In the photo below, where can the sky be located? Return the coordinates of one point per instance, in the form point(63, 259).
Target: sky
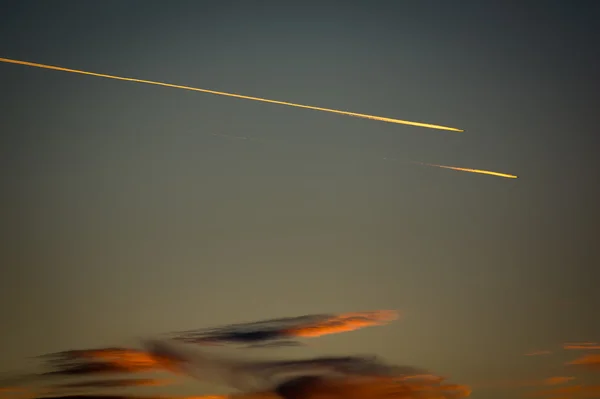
point(130, 210)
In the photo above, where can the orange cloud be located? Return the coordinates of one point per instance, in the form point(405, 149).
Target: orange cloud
point(581, 346)
point(343, 323)
point(538, 353)
point(107, 360)
point(591, 362)
point(127, 359)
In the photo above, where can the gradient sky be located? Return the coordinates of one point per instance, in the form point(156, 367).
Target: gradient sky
point(123, 215)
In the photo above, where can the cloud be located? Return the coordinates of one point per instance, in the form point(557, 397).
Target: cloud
point(590, 362)
point(581, 346)
point(92, 362)
point(347, 376)
point(304, 378)
point(284, 328)
point(343, 323)
point(104, 361)
point(247, 375)
point(308, 387)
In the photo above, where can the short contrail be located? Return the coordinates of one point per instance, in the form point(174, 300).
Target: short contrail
point(220, 93)
point(484, 172)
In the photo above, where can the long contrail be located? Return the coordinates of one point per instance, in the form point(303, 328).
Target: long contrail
point(221, 93)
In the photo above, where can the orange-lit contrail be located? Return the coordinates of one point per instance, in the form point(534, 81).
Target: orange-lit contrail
point(484, 172)
point(221, 93)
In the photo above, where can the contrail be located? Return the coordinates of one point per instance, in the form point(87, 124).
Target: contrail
point(484, 172)
point(220, 93)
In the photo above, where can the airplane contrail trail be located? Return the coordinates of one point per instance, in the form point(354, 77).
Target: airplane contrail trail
point(221, 93)
point(480, 171)
point(484, 172)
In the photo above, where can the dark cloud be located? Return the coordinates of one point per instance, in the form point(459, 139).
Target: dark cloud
point(255, 376)
point(373, 388)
